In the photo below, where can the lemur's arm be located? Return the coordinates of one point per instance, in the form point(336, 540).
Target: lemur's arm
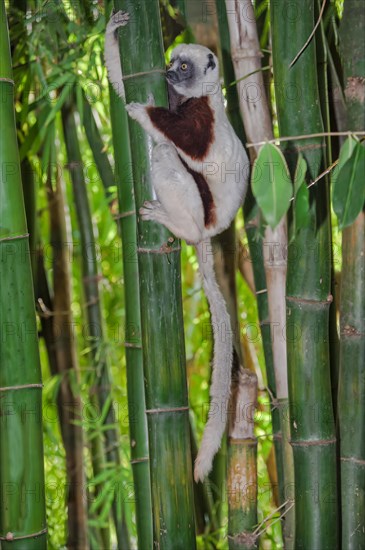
point(111, 53)
point(190, 127)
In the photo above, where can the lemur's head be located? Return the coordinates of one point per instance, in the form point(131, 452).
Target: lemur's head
point(193, 70)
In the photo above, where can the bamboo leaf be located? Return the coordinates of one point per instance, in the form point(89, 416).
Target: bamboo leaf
point(346, 151)
point(55, 83)
point(64, 95)
point(105, 475)
point(36, 134)
point(348, 189)
point(301, 196)
point(271, 183)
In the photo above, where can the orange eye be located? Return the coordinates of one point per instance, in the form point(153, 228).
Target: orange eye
point(170, 64)
point(184, 67)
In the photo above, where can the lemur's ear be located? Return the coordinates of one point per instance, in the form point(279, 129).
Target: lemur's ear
point(211, 63)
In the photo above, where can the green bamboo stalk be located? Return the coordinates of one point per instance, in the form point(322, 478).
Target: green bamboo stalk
point(351, 404)
point(43, 293)
point(22, 511)
point(257, 258)
point(308, 288)
point(322, 71)
point(97, 146)
point(255, 245)
point(90, 287)
point(160, 295)
point(101, 383)
point(206, 509)
point(30, 201)
point(133, 343)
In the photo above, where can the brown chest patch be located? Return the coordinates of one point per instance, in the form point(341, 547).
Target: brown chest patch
point(205, 194)
point(190, 127)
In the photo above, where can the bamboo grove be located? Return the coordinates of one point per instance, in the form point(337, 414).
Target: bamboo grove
point(106, 339)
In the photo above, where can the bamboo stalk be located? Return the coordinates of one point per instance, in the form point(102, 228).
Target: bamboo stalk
point(255, 245)
point(255, 112)
point(90, 287)
point(22, 511)
point(101, 383)
point(207, 508)
point(228, 239)
point(69, 405)
point(30, 201)
point(308, 289)
point(322, 71)
point(161, 308)
point(351, 404)
point(133, 349)
point(99, 151)
point(242, 465)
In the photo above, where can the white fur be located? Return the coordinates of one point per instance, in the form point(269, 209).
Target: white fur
point(179, 208)
point(111, 51)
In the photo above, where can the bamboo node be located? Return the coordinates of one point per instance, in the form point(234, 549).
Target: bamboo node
point(14, 237)
point(308, 301)
point(132, 345)
point(164, 249)
point(166, 410)
point(245, 53)
point(22, 387)
point(139, 460)
point(353, 460)
point(313, 442)
point(8, 80)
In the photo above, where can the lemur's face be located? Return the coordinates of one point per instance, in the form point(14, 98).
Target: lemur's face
point(193, 70)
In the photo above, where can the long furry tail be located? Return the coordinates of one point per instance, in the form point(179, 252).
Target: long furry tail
point(111, 52)
point(220, 388)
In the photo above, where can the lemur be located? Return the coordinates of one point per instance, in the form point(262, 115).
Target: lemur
point(199, 175)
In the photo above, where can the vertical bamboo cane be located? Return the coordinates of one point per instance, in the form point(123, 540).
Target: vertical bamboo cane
point(161, 309)
point(242, 465)
point(69, 405)
point(255, 112)
point(308, 286)
point(133, 345)
point(351, 405)
point(100, 390)
point(22, 510)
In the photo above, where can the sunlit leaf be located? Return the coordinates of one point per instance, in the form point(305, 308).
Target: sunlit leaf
point(271, 184)
point(301, 196)
point(348, 193)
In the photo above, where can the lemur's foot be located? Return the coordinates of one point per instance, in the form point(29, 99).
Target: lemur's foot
point(148, 210)
point(117, 19)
